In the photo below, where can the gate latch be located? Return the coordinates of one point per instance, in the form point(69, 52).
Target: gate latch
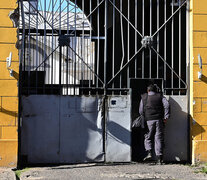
point(147, 41)
point(64, 40)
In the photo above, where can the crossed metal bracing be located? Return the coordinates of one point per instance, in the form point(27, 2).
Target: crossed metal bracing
point(85, 47)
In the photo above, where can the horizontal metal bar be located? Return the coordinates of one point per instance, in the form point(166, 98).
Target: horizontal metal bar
point(118, 89)
point(94, 37)
point(176, 88)
point(50, 32)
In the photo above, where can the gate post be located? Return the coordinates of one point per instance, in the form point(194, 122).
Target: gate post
point(105, 79)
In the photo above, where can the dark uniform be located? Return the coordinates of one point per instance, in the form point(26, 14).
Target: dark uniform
point(155, 108)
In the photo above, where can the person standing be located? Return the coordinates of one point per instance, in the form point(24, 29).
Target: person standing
point(155, 109)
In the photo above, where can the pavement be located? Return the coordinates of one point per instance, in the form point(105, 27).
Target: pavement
point(122, 171)
point(7, 174)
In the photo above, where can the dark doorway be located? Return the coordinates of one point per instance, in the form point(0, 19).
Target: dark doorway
point(139, 86)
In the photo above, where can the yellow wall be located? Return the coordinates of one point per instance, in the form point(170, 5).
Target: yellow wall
point(8, 87)
point(199, 88)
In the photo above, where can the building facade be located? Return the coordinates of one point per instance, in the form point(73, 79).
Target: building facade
point(197, 30)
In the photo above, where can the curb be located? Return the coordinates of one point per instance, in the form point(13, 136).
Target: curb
point(7, 174)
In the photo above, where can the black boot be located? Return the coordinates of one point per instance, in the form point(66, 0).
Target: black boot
point(148, 157)
point(159, 160)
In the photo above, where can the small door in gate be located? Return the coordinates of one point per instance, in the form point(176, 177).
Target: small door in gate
point(139, 86)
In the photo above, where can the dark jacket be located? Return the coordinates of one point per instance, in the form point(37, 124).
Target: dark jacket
point(154, 106)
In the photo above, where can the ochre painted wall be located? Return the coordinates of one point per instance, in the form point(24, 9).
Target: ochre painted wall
point(8, 86)
point(199, 88)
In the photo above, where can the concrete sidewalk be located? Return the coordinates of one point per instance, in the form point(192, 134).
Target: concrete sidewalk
point(7, 174)
point(136, 171)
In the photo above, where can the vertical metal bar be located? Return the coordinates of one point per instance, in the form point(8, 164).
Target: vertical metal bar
point(158, 36)
point(105, 45)
point(67, 49)
point(45, 11)
point(172, 44)
point(113, 45)
point(75, 47)
point(72, 68)
point(98, 45)
point(187, 73)
point(180, 52)
point(143, 35)
point(128, 43)
point(150, 52)
point(60, 52)
point(70, 53)
point(55, 63)
point(52, 68)
point(105, 76)
point(48, 67)
point(90, 45)
point(37, 39)
point(29, 51)
point(122, 39)
point(87, 60)
point(188, 48)
point(165, 44)
point(78, 46)
point(83, 45)
point(135, 49)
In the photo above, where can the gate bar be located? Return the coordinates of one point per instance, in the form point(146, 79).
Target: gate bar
point(74, 89)
point(29, 51)
point(172, 45)
point(60, 49)
point(44, 40)
point(158, 36)
point(90, 46)
point(98, 45)
point(150, 52)
point(165, 42)
point(83, 45)
point(37, 57)
point(105, 45)
point(135, 34)
point(128, 44)
point(143, 23)
point(122, 43)
point(180, 52)
point(113, 45)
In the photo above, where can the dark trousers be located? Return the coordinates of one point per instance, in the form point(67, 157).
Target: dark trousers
point(155, 134)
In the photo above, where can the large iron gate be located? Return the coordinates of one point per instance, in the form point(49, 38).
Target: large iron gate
point(101, 48)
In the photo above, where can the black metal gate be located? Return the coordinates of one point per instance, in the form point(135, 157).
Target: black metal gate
point(84, 47)
point(102, 47)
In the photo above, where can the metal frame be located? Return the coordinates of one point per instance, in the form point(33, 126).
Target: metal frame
point(65, 48)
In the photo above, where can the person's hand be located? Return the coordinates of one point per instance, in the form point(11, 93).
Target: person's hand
point(164, 120)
